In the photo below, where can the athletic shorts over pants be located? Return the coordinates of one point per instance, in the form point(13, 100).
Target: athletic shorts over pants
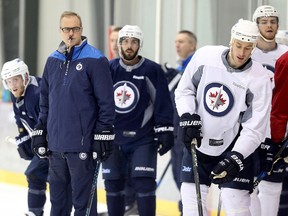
point(206, 163)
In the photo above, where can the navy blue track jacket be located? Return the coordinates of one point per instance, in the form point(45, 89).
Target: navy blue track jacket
point(76, 97)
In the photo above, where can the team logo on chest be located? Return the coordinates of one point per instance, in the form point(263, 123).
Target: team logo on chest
point(126, 96)
point(218, 99)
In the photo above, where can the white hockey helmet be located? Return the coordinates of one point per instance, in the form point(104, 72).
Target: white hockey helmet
point(131, 31)
point(13, 68)
point(264, 11)
point(282, 37)
point(246, 31)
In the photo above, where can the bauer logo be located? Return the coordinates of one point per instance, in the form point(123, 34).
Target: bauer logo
point(79, 66)
point(126, 96)
point(218, 99)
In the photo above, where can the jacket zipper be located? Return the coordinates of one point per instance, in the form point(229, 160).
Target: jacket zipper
point(66, 73)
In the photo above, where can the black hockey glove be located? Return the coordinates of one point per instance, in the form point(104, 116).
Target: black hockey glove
point(227, 169)
point(164, 138)
point(39, 143)
point(102, 145)
point(268, 151)
point(191, 128)
point(23, 142)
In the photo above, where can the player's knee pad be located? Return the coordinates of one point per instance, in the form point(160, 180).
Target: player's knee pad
point(144, 186)
point(270, 188)
point(235, 201)
point(114, 185)
point(189, 198)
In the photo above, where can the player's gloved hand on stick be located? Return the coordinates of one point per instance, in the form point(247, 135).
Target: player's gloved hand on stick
point(102, 145)
point(23, 142)
point(190, 129)
point(268, 151)
point(39, 142)
point(228, 168)
point(164, 138)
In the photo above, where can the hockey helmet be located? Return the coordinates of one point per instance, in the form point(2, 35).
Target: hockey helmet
point(13, 68)
point(264, 11)
point(131, 31)
point(282, 37)
point(246, 31)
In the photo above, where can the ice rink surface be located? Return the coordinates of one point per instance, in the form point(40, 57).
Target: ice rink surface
point(13, 200)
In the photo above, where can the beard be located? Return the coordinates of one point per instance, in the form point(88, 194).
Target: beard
point(129, 57)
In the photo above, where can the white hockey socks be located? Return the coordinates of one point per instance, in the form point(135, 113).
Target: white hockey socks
point(235, 202)
point(189, 199)
point(269, 195)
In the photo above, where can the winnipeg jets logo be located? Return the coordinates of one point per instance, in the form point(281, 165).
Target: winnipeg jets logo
point(126, 96)
point(218, 99)
point(79, 66)
point(123, 95)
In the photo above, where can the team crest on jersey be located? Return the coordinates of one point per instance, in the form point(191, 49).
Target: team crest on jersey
point(126, 96)
point(79, 66)
point(218, 99)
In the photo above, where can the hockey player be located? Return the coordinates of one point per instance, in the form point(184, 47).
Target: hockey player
point(130, 199)
point(267, 52)
point(77, 113)
point(223, 100)
point(25, 91)
point(143, 112)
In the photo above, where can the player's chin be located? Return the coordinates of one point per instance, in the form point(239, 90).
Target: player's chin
point(16, 94)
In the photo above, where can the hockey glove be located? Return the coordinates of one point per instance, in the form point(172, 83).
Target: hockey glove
point(164, 138)
point(191, 128)
point(39, 143)
point(23, 142)
point(102, 145)
point(268, 150)
point(227, 169)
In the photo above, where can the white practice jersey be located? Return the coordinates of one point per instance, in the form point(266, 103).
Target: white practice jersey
point(224, 98)
point(268, 59)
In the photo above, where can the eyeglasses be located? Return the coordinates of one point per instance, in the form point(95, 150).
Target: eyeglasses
point(74, 29)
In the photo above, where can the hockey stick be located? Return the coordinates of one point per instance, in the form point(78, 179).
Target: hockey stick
point(196, 176)
point(163, 174)
point(277, 157)
point(93, 188)
point(219, 204)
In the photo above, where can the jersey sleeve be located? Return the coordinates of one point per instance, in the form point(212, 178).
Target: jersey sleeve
point(103, 90)
point(256, 117)
point(163, 113)
point(44, 102)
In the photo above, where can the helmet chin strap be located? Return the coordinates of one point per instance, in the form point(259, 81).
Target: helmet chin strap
point(230, 56)
point(266, 40)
